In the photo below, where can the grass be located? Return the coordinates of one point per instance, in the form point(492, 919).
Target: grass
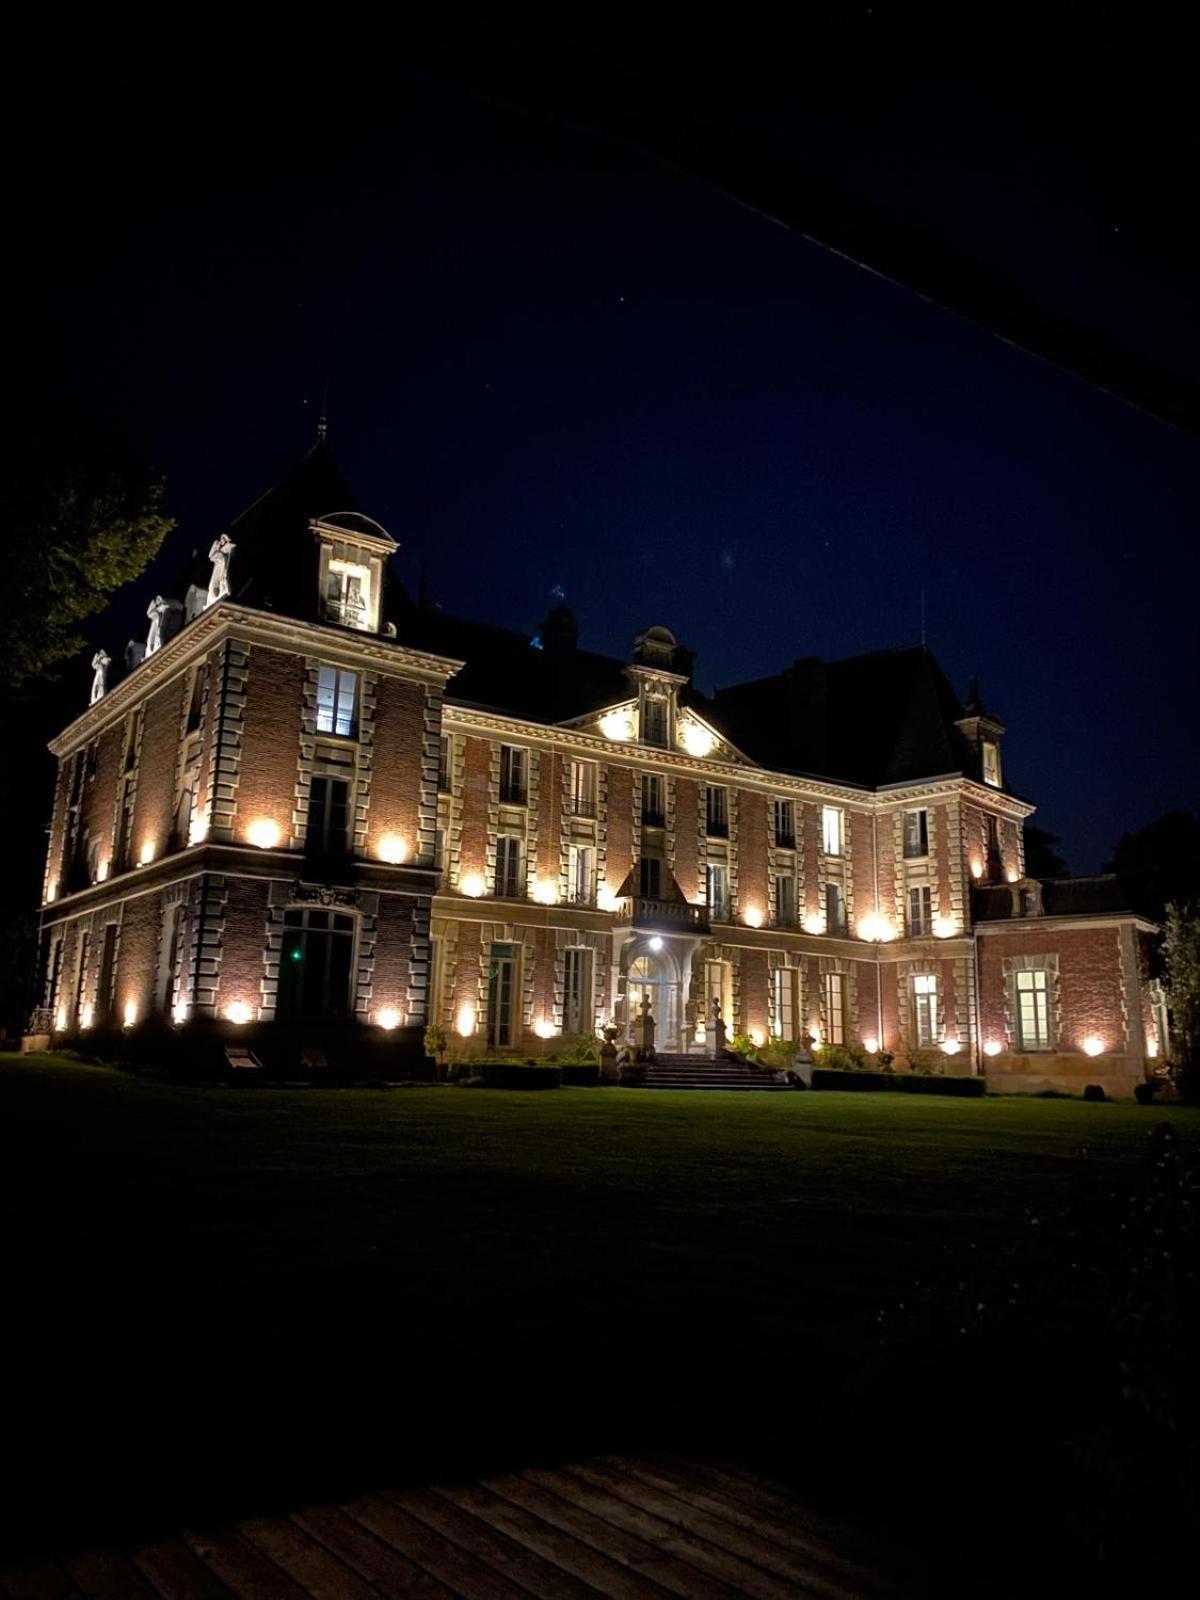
point(251, 1293)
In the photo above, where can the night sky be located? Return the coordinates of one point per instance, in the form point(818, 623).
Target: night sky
point(554, 363)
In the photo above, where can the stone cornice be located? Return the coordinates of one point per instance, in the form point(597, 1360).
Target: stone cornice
point(1065, 923)
point(339, 646)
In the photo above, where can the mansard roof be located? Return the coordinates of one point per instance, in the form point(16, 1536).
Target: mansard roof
point(1061, 897)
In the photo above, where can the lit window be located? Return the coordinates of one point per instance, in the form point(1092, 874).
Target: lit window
point(835, 1008)
point(835, 909)
point(924, 998)
point(348, 594)
point(337, 702)
point(920, 910)
point(718, 891)
point(582, 878)
point(1033, 1010)
point(583, 788)
point(991, 763)
point(785, 1003)
point(832, 830)
point(916, 833)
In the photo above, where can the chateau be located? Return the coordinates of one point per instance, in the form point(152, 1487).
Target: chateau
point(310, 810)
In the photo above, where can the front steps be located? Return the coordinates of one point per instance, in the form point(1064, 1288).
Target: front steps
point(700, 1072)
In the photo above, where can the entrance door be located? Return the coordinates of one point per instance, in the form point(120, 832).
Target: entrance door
point(501, 1004)
point(648, 979)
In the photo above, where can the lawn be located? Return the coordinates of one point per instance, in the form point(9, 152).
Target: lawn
point(246, 1294)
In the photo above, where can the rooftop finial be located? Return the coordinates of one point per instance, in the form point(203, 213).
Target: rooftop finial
point(323, 419)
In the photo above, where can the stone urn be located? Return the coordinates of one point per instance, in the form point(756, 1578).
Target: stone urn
point(609, 1071)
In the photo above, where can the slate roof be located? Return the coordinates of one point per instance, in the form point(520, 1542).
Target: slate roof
point(1061, 897)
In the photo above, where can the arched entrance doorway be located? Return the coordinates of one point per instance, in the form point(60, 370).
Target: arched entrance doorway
point(652, 976)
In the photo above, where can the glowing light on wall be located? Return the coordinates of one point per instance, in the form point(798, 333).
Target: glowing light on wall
point(198, 831)
point(392, 849)
point(617, 725)
point(815, 1034)
point(696, 740)
point(87, 1015)
point(51, 891)
point(877, 929)
point(239, 1012)
point(147, 855)
point(656, 943)
point(976, 869)
point(870, 1045)
point(758, 1038)
point(752, 917)
point(944, 927)
point(1011, 874)
point(130, 1014)
point(545, 892)
point(1092, 1046)
point(544, 1029)
point(814, 923)
point(606, 900)
point(264, 833)
point(993, 1047)
point(951, 1047)
point(1152, 1048)
point(387, 1017)
point(179, 1013)
point(101, 871)
point(472, 885)
point(60, 1019)
point(464, 1022)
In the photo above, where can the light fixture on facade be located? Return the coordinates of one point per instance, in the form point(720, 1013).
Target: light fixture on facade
point(472, 885)
point(147, 855)
point(544, 1029)
point(1092, 1046)
point(944, 927)
point(876, 929)
point(545, 892)
point(617, 725)
point(198, 830)
point(237, 1011)
point(464, 1022)
point(392, 849)
point(1012, 874)
point(264, 833)
point(1152, 1048)
point(696, 739)
point(814, 923)
point(870, 1045)
point(655, 943)
point(179, 1013)
point(101, 871)
point(757, 1038)
point(51, 891)
point(60, 1020)
point(814, 1033)
point(993, 1047)
point(752, 917)
point(976, 868)
point(86, 1015)
point(130, 1014)
point(387, 1017)
point(950, 1047)
point(606, 900)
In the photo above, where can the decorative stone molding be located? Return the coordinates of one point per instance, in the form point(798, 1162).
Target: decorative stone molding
point(330, 895)
point(208, 944)
point(420, 966)
point(232, 668)
point(1010, 966)
point(427, 805)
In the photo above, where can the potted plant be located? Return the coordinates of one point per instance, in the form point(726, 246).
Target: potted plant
point(436, 1044)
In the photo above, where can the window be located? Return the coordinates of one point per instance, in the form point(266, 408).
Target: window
point(991, 763)
point(439, 849)
point(654, 722)
point(509, 884)
point(831, 830)
point(920, 910)
point(189, 788)
point(924, 999)
point(718, 891)
point(337, 702)
point(583, 788)
point(916, 834)
point(716, 812)
point(784, 979)
point(501, 1006)
point(445, 763)
point(315, 964)
point(650, 878)
point(653, 808)
point(785, 825)
point(348, 594)
point(577, 991)
point(835, 1008)
point(328, 816)
point(513, 770)
point(104, 981)
point(168, 952)
point(835, 909)
point(1033, 1010)
point(718, 987)
point(81, 972)
point(785, 900)
point(54, 976)
point(123, 842)
point(581, 873)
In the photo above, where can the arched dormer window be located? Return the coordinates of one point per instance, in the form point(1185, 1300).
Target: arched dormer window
point(353, 552)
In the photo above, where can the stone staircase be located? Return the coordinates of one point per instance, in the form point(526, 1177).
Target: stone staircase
point(700, 1072)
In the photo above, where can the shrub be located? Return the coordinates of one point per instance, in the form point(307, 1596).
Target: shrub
point(898, 1083)
point(841, 1057)
point(581, 1074)
point(436, 1040)
point(1094, 1091)
point(1143, 1093)
point(743, 1045)
point(780, 1054)
point(927, 1061)
point(520, 1075)
point(579, 1049)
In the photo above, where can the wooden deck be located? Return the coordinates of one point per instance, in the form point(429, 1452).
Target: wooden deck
point(632, 1529)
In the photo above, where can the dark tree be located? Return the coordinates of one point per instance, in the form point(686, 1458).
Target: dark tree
point(1160, 864)
point(1042, 859)
point(81, 518)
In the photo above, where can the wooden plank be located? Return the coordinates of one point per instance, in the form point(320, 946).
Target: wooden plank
point(709, 1563)
point(715, 1530)
point(107, 1575)
point(173, 1572)
point(38, 1580)
point(250, 1574)
point(317, 1570)
point(656, 1559)
point(471, 1579)
point(695, 1490)
point(536, 1575)
point(389, 1571)
point(597, 1567)
point(748, 1489)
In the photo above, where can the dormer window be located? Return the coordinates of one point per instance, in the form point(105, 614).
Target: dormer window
point(354, 550)
point(348, 594)
point(991, 762)
point(654, 721)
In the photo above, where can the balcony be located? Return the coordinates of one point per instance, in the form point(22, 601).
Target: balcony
point(670, 916)
point(348, 613)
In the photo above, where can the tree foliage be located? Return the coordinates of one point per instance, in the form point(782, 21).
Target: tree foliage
point(1160, 864)
point(81, 519)
point(1181, 948)
point(1042, 858)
